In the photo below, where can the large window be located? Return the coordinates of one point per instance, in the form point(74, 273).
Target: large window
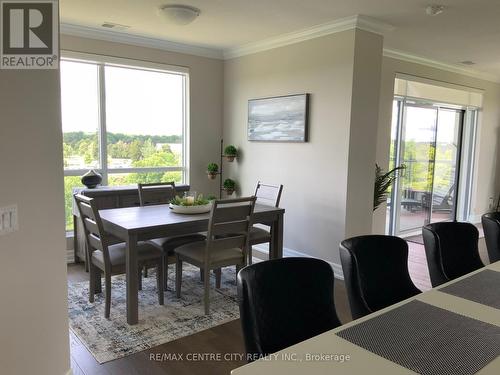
point(124, 120)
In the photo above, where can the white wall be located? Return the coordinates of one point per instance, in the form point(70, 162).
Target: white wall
point(487, 177)
point(316, 175)
point(33, 310)
point(206, 77)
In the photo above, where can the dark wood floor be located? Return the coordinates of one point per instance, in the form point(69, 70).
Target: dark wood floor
point(224, 339)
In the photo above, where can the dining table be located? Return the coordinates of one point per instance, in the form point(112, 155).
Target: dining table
point(452, 329)
point(133, 224)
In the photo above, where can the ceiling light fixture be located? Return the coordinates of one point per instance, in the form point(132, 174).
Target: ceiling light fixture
point(179, 14)
point(434, 10)
point(467, 62)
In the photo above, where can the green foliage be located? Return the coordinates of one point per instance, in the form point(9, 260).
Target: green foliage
point(212, 168)
point(229, 184)
point(230, 151)
point(383, 181)
point(183, 201)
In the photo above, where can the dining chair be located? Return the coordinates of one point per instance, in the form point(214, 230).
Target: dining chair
point(283, 302)
point(110, 259)
point(451, 249)
point(162, 193)
point(491, 227)
point(269, 195)
point(226, 243)
point(375, 272)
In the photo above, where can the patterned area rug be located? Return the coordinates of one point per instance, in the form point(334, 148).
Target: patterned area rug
point(114, 338)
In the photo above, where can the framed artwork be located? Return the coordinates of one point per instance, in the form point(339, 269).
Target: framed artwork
point(279, 119)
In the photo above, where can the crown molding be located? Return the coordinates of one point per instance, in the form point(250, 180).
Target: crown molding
point(404, 56)
point(137, 40)
point(337, 26)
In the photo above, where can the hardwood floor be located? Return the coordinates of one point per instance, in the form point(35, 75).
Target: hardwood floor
point(224, 339)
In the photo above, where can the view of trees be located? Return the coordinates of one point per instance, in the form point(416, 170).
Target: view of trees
point(81, 151)
point(419, 171)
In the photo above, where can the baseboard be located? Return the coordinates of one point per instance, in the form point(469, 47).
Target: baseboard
point(70, 256)
point(337, 268)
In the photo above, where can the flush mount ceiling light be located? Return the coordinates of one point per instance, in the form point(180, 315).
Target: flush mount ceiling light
point(179, 14)
point(434, 10)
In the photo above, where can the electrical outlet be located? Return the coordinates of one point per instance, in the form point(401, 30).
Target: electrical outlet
point(8, 219)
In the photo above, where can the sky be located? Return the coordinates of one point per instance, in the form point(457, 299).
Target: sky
point(137, 101)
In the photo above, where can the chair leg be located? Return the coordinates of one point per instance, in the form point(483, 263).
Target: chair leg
point(159, 281)
point(145, 271)
point(139, 278)
point(178, 276)
point(107, 305)
point(218, 277)
point(92, 278)
point(98, 283)
point(165, 271)
point(202, 275)
point(206, 294)
point(250, 259)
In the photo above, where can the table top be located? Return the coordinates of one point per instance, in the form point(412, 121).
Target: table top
point(290, 361)
point(134, 219)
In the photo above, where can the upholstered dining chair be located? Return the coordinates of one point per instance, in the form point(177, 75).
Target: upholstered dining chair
point(162, 193)
point(226, 243)
point(283, 302)
point(268, 195)
point(491, 227)
point(451, 249)
point(375, 272)
point(110, 259)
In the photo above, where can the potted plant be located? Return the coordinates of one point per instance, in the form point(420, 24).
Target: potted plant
point(383, 181)
point(229, 186)
point(191, 204)
point(212, 170)
point(230, 152)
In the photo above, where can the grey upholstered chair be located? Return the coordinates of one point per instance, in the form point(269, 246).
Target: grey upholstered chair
point(110, 259)
point(162, 193)
point(268, 195)
point(226, 243)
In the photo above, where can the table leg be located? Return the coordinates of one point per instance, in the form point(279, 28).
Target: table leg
point(132, 280)
point(276, 245)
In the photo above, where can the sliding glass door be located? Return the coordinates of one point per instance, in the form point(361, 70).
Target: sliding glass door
point(427, 140)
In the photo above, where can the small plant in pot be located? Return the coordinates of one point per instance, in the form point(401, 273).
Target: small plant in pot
point(229, 186)
point(212, 170)
point(230, 152)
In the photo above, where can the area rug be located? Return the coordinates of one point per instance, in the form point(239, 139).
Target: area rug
point(179, 317)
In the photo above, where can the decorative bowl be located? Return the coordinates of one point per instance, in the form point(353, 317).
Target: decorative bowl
point(191, 210)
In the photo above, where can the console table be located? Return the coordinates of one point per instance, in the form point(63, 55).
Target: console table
point(105, 197)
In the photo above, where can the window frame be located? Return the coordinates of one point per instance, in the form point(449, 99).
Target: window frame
point(102, 61)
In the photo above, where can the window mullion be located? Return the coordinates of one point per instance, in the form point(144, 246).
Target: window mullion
point(103, 143)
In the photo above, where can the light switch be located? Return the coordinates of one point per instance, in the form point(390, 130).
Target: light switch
point(8, 219)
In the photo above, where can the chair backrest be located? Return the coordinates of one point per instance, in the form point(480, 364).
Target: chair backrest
point(156, 193)
point(451, 249)
point(229, 225)
point(267, 194)
point(375, 272)
point(491, 227)
point(92, 224)
point(283, 302)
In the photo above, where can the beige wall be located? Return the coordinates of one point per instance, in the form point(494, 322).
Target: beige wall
point(486, 182)
point(314, 174)
point(206, 77)
point(33, 312)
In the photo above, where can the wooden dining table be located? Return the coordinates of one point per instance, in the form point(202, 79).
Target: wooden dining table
point(334, 353)
point(133, 224)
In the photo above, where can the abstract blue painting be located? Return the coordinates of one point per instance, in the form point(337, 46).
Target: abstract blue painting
point(279, 119)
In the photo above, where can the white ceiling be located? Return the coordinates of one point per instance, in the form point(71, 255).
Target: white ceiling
point(467, 30)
